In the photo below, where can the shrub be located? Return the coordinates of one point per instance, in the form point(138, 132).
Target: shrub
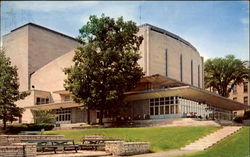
point(40, 126)
point(15, 129)
point(238, 119)
point(247, 114)
point(44, 116)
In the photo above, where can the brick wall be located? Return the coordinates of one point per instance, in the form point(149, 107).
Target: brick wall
point(126, 148)
point(18, 150)
point(12, 139)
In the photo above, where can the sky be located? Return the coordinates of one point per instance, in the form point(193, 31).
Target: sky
point(215, 28)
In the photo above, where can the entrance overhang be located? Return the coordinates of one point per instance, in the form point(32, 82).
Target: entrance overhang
point(51, 106)
point(189, 92)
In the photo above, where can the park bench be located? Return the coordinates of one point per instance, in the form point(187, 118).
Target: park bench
point(94, 141)
point(53, 144)
point(30, 133)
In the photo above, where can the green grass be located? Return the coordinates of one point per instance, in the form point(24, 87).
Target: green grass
point(161, 139)
point(236, 145)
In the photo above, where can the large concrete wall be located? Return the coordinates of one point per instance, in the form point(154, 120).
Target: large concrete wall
point(51, 76)
point(30, 47)
point(16, 47)
point(153, 50)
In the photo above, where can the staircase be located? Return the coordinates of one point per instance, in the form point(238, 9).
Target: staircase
point(211, 139)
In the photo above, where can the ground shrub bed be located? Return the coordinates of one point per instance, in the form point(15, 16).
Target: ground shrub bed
point(237, 145)
point(161, 138)
point(15, 129)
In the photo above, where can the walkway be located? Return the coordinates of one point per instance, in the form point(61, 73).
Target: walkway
point(209, 140)
point(199, 145)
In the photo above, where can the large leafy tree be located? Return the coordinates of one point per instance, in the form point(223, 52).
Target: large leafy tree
point(105, 66)
point(223, 74)
point(9, 91)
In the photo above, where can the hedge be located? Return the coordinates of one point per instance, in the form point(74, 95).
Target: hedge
point(15, 129)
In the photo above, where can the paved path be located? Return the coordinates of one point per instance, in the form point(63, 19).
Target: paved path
point(211, 139)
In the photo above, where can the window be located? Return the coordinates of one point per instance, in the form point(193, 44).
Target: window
point(63, 114)
point(245, 88)
point(191, 72)
point(246, 100)
point(66, 98)
point(234, 89)
point(40, 100)
point(235, 98)
point(181, 67)
point(166, 62)
point(164, 105)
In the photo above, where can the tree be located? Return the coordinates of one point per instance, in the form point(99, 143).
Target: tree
point(44, 116)
point(106, 66)
point(223, 74)
point(9, 91)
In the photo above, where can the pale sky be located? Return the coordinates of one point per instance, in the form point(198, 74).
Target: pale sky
point(215, 28)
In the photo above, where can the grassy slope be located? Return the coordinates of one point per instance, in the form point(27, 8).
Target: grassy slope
point(160, 138)
point(236, 145)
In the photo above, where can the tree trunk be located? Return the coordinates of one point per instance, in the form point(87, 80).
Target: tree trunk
point(4, 118)
point(88, 116)
point(101, 117)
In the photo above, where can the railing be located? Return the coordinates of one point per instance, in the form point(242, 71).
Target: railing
point(53, 102)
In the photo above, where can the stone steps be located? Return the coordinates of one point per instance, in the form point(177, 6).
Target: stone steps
point(211, 139)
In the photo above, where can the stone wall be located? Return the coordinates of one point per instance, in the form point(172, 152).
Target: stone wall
point(126, 148)
point(12, 139)
point(18, 150)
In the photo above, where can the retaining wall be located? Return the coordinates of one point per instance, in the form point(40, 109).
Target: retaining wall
point(18, 150)
point(10, 139)
point(126, 148)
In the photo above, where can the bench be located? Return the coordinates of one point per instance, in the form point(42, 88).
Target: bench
point(54, 144)
point(30, 133)
point(94, 141)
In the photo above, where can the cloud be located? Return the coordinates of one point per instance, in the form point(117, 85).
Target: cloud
point(245, 20)
point(47, 6)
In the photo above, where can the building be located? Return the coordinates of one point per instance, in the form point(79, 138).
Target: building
point(173, 86)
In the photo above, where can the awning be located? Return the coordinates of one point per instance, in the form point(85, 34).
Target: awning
point(50, 106)
point(189, 92)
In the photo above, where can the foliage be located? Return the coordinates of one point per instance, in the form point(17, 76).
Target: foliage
point(223, 74)
point(247, 114)
point(9, 91)
point(43, 116)
point(106, 66)
point(236, 145)
point(161, 138)
point(238, 119)
point(40, 126)
point(15, 129)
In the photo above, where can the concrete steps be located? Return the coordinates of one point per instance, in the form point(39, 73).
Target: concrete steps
point(211, 139)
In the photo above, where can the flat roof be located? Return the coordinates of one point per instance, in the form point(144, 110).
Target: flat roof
point(172, 87)
point(189, 92)
point(51, 106)
point(45, 28)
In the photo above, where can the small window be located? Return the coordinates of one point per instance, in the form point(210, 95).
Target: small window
point(67, 98)
point(246, 100)
point(245, 87)
point(38, 101)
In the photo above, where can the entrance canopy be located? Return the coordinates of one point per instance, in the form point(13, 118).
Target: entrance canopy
point(186, 91)
point(50, 106)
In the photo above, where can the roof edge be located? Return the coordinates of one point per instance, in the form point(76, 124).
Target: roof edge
point(42, 27)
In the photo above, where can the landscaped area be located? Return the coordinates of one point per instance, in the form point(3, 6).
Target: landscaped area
point(236, 145)
point(161, 138)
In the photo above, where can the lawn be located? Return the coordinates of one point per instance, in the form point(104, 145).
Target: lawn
point(161, 138)
point(236, 145)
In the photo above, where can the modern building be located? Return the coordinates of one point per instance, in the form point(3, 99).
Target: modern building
point(172, 87)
